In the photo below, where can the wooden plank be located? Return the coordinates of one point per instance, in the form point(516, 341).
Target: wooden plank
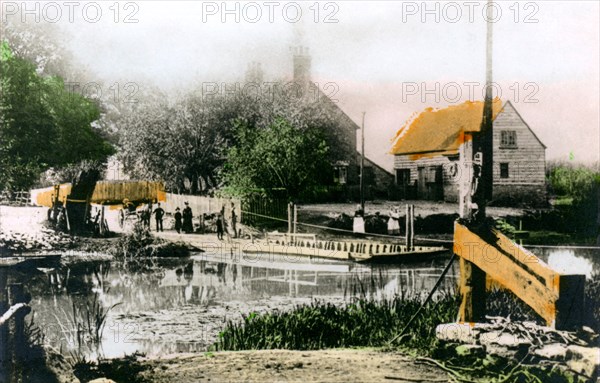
point(527, 259)
point(540, 295)
point(472, 288)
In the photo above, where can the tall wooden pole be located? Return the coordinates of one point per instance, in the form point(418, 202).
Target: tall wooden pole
point(407, 228)
point(484, 141)
point(295, 227)
point(476, 190)
point(362, 164)
point(290, 218)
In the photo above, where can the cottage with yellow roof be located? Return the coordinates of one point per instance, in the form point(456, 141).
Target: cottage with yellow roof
point(426, 151)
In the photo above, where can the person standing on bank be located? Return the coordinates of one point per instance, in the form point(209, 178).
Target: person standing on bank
point(159, 213)
point(233, 220)
point(178, 218)
point(187, 219)
point(219, 227)
point(394, 222)
point(358, 224)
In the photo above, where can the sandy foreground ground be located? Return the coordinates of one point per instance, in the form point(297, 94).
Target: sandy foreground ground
point(336, 365)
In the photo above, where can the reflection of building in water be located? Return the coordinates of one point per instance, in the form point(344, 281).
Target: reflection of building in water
point(223, 279)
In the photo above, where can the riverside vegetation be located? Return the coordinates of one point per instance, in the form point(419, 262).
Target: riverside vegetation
point(140, 244)
point(377, 323)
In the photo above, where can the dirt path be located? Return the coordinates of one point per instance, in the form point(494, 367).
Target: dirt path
point(336, 365)
point(22, 220)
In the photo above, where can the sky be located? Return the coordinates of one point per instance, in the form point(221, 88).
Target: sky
point(389, 59)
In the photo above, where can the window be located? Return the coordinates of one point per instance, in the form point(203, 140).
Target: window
point(402, 176)
point(343, 175)
point(504, 170)
point(508, 139)
point(340, 173)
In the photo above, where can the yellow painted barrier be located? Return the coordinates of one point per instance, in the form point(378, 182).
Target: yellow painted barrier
point(557, 298)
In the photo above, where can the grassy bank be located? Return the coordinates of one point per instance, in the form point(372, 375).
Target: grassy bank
point(364, 323)
point(368, 323)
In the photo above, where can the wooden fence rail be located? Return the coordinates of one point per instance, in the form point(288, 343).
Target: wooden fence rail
point(19, 198)
point(557, 298)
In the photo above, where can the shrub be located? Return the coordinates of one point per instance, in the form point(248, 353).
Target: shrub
point(141, 244)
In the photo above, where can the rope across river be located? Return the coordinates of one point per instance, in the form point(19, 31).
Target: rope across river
point(446, 241)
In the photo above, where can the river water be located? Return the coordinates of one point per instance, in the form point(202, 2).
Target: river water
point(180, 305)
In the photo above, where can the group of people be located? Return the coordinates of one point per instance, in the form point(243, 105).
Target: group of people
point(393, 224)
point(183, 220)
point(147, 213)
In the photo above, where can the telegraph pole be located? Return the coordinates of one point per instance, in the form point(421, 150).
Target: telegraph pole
point(475, 191)
point(484, 142)
point(362, 164)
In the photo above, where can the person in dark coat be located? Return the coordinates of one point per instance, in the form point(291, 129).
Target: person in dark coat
point(233, 221)
point(178, 220)
point(158, 215)
point(187, 219)
point(220, 227)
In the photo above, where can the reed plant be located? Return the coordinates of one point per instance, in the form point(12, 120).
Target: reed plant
point(319, 325)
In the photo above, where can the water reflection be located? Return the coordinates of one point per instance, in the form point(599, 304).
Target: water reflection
point(181, 305)
point(565, 260)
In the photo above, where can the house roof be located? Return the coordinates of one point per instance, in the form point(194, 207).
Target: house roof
point(441, 130)
point(509, 104)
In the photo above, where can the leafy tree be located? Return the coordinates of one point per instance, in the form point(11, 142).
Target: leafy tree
point(582, 185)
point(39, 43)
point(74, 115)
point(576, 182)
point(41, 124)
point(243, 143)
point(182, 144)
point(280, 156)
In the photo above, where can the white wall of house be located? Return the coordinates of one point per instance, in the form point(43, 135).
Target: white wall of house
point(526, 159)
